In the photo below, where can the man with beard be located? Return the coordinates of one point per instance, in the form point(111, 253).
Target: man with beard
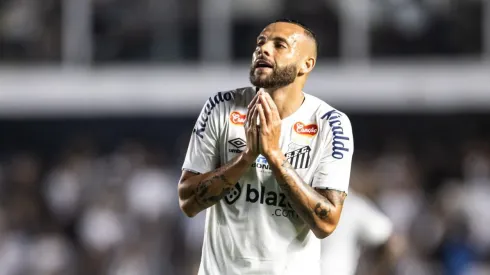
point(270, 163)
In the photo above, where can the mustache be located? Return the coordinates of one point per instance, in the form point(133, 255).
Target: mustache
point(262, 62)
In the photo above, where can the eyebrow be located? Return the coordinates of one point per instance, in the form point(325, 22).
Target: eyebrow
point(276, 38)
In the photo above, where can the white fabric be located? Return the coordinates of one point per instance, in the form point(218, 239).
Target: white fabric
point(253, 230)
point(361, 224)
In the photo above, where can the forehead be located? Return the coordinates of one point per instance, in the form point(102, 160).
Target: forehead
point(284, 30)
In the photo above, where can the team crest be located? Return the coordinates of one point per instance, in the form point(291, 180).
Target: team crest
point(299, 156)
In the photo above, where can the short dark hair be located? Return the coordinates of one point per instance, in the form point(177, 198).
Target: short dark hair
point(309, 32)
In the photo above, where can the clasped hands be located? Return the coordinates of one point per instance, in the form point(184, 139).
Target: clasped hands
point(263, 138)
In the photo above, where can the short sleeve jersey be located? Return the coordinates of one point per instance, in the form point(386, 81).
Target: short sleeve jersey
point(254, 230)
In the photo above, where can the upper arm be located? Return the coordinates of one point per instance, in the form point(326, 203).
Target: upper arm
point(334, 169)
point(186, 174)
point(335, 197)
point(184, 191)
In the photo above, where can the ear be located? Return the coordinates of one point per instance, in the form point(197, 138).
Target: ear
point(307, 65)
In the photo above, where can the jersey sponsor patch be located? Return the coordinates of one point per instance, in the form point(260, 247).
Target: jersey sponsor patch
point(339, 138)
point(237, 118)
point(234, 194)
point(208, 109)
point(306, 130)
point(261, 195)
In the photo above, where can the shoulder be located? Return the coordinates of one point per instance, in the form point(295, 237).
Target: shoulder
point(217, 107)
point(328, 115)
point(335, 129)
point(227, 98)
point(243, 96)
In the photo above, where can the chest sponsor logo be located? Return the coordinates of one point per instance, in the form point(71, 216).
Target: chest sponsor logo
point(237, 118)
point(306, 130)
point(234, 194)
point(260, 195)
point(238, 143)
point(261, 162)
point(339, 138)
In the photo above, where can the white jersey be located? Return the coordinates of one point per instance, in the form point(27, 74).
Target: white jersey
point(254, 230)
point(361, 224)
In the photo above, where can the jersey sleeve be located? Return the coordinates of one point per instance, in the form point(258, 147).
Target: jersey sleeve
point(203, 151)
point(375, 228)
point(334, 169)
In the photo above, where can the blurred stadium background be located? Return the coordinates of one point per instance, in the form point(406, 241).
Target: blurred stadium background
point(98, 99)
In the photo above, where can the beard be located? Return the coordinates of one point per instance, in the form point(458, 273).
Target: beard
point(280, 77)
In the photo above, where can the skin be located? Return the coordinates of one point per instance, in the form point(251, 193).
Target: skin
point(286, 44)
point(283, 45)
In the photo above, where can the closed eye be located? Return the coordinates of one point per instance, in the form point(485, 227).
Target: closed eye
point(280, 45)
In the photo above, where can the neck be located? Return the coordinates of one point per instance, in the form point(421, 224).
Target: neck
point(288, 99)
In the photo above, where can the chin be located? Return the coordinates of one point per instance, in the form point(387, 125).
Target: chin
point(262, 74)
point(258, 81)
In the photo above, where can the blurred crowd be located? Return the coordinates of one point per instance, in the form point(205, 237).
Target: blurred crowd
point(109, 205)
point(30, 30)
point(440, 226)
point(88, 213)
point(154, 31)
point(86, 209)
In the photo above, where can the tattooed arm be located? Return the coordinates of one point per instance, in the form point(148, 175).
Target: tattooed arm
point(200, 191)
point(319, 208)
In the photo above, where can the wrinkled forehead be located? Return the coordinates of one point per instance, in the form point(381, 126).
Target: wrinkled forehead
point(290, 32)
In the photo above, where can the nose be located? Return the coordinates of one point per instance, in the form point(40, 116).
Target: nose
point(264, 49)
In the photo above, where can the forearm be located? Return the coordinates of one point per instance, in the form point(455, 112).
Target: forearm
point(319, 212)
point(199, 192)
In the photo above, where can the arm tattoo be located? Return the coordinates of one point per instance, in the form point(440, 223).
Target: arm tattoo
point(285, 187)
point(321, 211)
point(288, 174)
point(300, 193)
point(331, 199)
point(225, 180)
point(206, 194)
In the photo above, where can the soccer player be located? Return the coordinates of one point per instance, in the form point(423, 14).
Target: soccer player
point(362, 225)
point(270, 163)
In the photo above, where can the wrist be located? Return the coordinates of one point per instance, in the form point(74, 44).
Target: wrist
point(248, 156)
point(275, 157)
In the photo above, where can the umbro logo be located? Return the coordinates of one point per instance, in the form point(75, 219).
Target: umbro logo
point(238, 143)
